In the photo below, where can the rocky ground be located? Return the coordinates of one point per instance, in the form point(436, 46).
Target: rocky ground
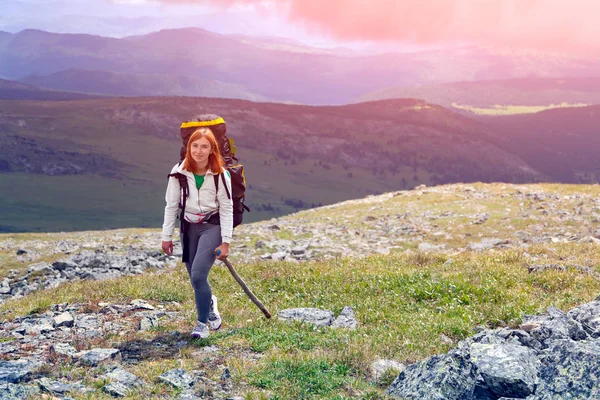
point(451, 219)
point(69, 334)
point(553, 356)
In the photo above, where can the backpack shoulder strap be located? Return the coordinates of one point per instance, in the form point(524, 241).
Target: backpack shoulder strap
point(224, 184)
point(185, 190)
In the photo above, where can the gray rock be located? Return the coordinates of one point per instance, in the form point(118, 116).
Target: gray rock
point(570, 370)
point(442, 377)
point(346, 319)
point(424, 246)
point(5, 286)
point(116, 389)
point(559, 326)
point(63, 349)
point(17, 371)
point(178, 378)
point(35, 326)
point(480, 219)
point(278, 256)
point(380, 367)
point(87, 322)
point(124, 377)
point(63, 265)
point(531, 322)
point(148, 323)
point(487, 244)
point(138, 304)
point(314, 316)
point(299, 250)
point(40, 268)
point(102, 276)
point(57, 387)
point(588, 315)
point(11, 391)
point(226, 375)
point(96, 357)
point(188, 395)
point(508, 370)
point(64, 319)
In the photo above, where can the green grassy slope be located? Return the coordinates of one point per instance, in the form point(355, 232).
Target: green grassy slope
point(527, 93)
point(113, 155)
point(409, 305)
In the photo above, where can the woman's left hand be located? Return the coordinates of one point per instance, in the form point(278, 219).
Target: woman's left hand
point(222, 251)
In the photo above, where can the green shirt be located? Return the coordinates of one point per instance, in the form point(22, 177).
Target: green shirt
point(199, 181)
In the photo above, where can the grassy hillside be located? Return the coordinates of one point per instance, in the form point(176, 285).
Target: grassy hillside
point(12, 90)
point(409, 304)
point(113, 155)
point(130, 84)
point(499, 97)
point(561, 143)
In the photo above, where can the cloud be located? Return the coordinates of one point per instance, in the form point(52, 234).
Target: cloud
point(545, 24)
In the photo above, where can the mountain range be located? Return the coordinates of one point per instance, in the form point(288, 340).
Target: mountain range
point(276, 70)
point(101, 154)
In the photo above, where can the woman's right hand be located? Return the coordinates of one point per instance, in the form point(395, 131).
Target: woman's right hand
point(167, 247)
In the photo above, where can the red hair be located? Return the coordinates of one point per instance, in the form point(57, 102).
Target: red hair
point(215, 161)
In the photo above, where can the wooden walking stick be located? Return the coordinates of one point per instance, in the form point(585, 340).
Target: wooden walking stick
point(247, 290)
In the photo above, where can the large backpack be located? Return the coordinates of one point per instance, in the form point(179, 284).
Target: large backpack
point(227, 149)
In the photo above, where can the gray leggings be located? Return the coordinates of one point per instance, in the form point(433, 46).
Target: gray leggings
point(203, 239)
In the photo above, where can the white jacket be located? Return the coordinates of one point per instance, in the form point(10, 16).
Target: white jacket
point(200, 201)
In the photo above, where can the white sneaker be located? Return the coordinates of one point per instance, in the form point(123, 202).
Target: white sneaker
point(200, 331)
point(214, 318)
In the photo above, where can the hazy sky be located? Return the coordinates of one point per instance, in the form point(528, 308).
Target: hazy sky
point(554, 25)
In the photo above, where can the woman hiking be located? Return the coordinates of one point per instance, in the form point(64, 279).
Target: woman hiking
point(207, 225)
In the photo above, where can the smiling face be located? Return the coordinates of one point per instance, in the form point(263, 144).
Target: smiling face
point(200, 150)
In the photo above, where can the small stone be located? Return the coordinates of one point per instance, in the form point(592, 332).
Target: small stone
point(311, 315)
point(528, 327)
point(116, 389)
point(124, 377)
point(64, 319)
point(96, 357)
point(11, 391)
point(278, 256)
point(346, 319)
point(226, 375)
point(178, 378)
point(147, 323)
point(445, 339)
point(424, 246)
point(380, 367)
point(188, 395)
point(54, 387)
point(17, 371)
point(141, 304)
point(63, 349)
point(41, 267)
